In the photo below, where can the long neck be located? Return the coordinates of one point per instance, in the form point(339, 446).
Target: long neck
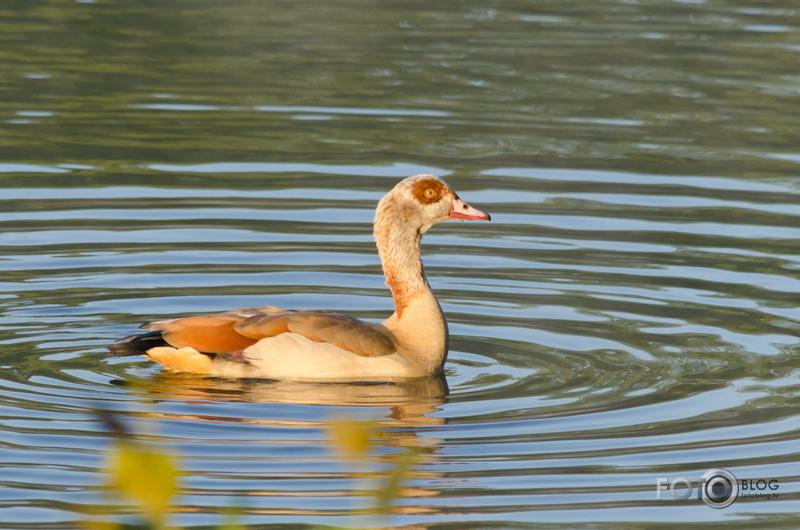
point(398, 248)
point(418, 321)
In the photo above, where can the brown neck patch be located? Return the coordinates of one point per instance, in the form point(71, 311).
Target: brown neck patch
point(399, 293)
point(402, 292)
point(428, 191)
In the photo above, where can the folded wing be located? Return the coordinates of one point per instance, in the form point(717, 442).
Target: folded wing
point(361, 338)
point(234, 331)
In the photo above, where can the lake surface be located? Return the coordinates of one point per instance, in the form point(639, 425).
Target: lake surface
point(632, 312)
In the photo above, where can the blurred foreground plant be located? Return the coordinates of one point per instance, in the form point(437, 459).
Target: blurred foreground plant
point(140, 474)
point(354, 440)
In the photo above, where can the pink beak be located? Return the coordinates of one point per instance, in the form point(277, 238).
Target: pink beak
point(462, 210)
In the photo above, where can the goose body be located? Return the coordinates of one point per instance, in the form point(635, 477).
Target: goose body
point(274, 343)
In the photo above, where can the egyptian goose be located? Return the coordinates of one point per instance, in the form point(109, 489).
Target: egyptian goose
point(274, 343)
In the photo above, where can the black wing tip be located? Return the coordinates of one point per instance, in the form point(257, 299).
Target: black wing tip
point(137, 344)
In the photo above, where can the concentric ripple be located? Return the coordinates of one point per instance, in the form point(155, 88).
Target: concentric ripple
point(630, 314)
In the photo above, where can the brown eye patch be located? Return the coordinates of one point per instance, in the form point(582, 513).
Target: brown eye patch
point(428, 191)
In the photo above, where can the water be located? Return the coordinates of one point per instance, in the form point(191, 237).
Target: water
point(631, 312)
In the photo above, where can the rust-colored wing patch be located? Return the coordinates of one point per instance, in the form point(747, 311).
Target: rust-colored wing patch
point(361, 338)
point(204, 333)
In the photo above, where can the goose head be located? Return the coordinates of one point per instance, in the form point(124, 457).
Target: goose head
point(421, 201)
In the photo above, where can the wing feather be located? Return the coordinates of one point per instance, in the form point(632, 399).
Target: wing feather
point(232, 332)
point(205, 333)
point(361, 338)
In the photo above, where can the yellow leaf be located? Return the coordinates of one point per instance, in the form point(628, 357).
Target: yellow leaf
point(144, 476)
point(351, 438)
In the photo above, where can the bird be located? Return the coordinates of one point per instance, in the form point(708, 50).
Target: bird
point(320, 346)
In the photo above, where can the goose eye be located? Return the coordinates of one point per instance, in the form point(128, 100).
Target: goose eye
point(428, 191)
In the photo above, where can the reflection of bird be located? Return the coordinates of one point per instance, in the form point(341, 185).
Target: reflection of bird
point(274, 343)
point(399, 416)
point(404, 403)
